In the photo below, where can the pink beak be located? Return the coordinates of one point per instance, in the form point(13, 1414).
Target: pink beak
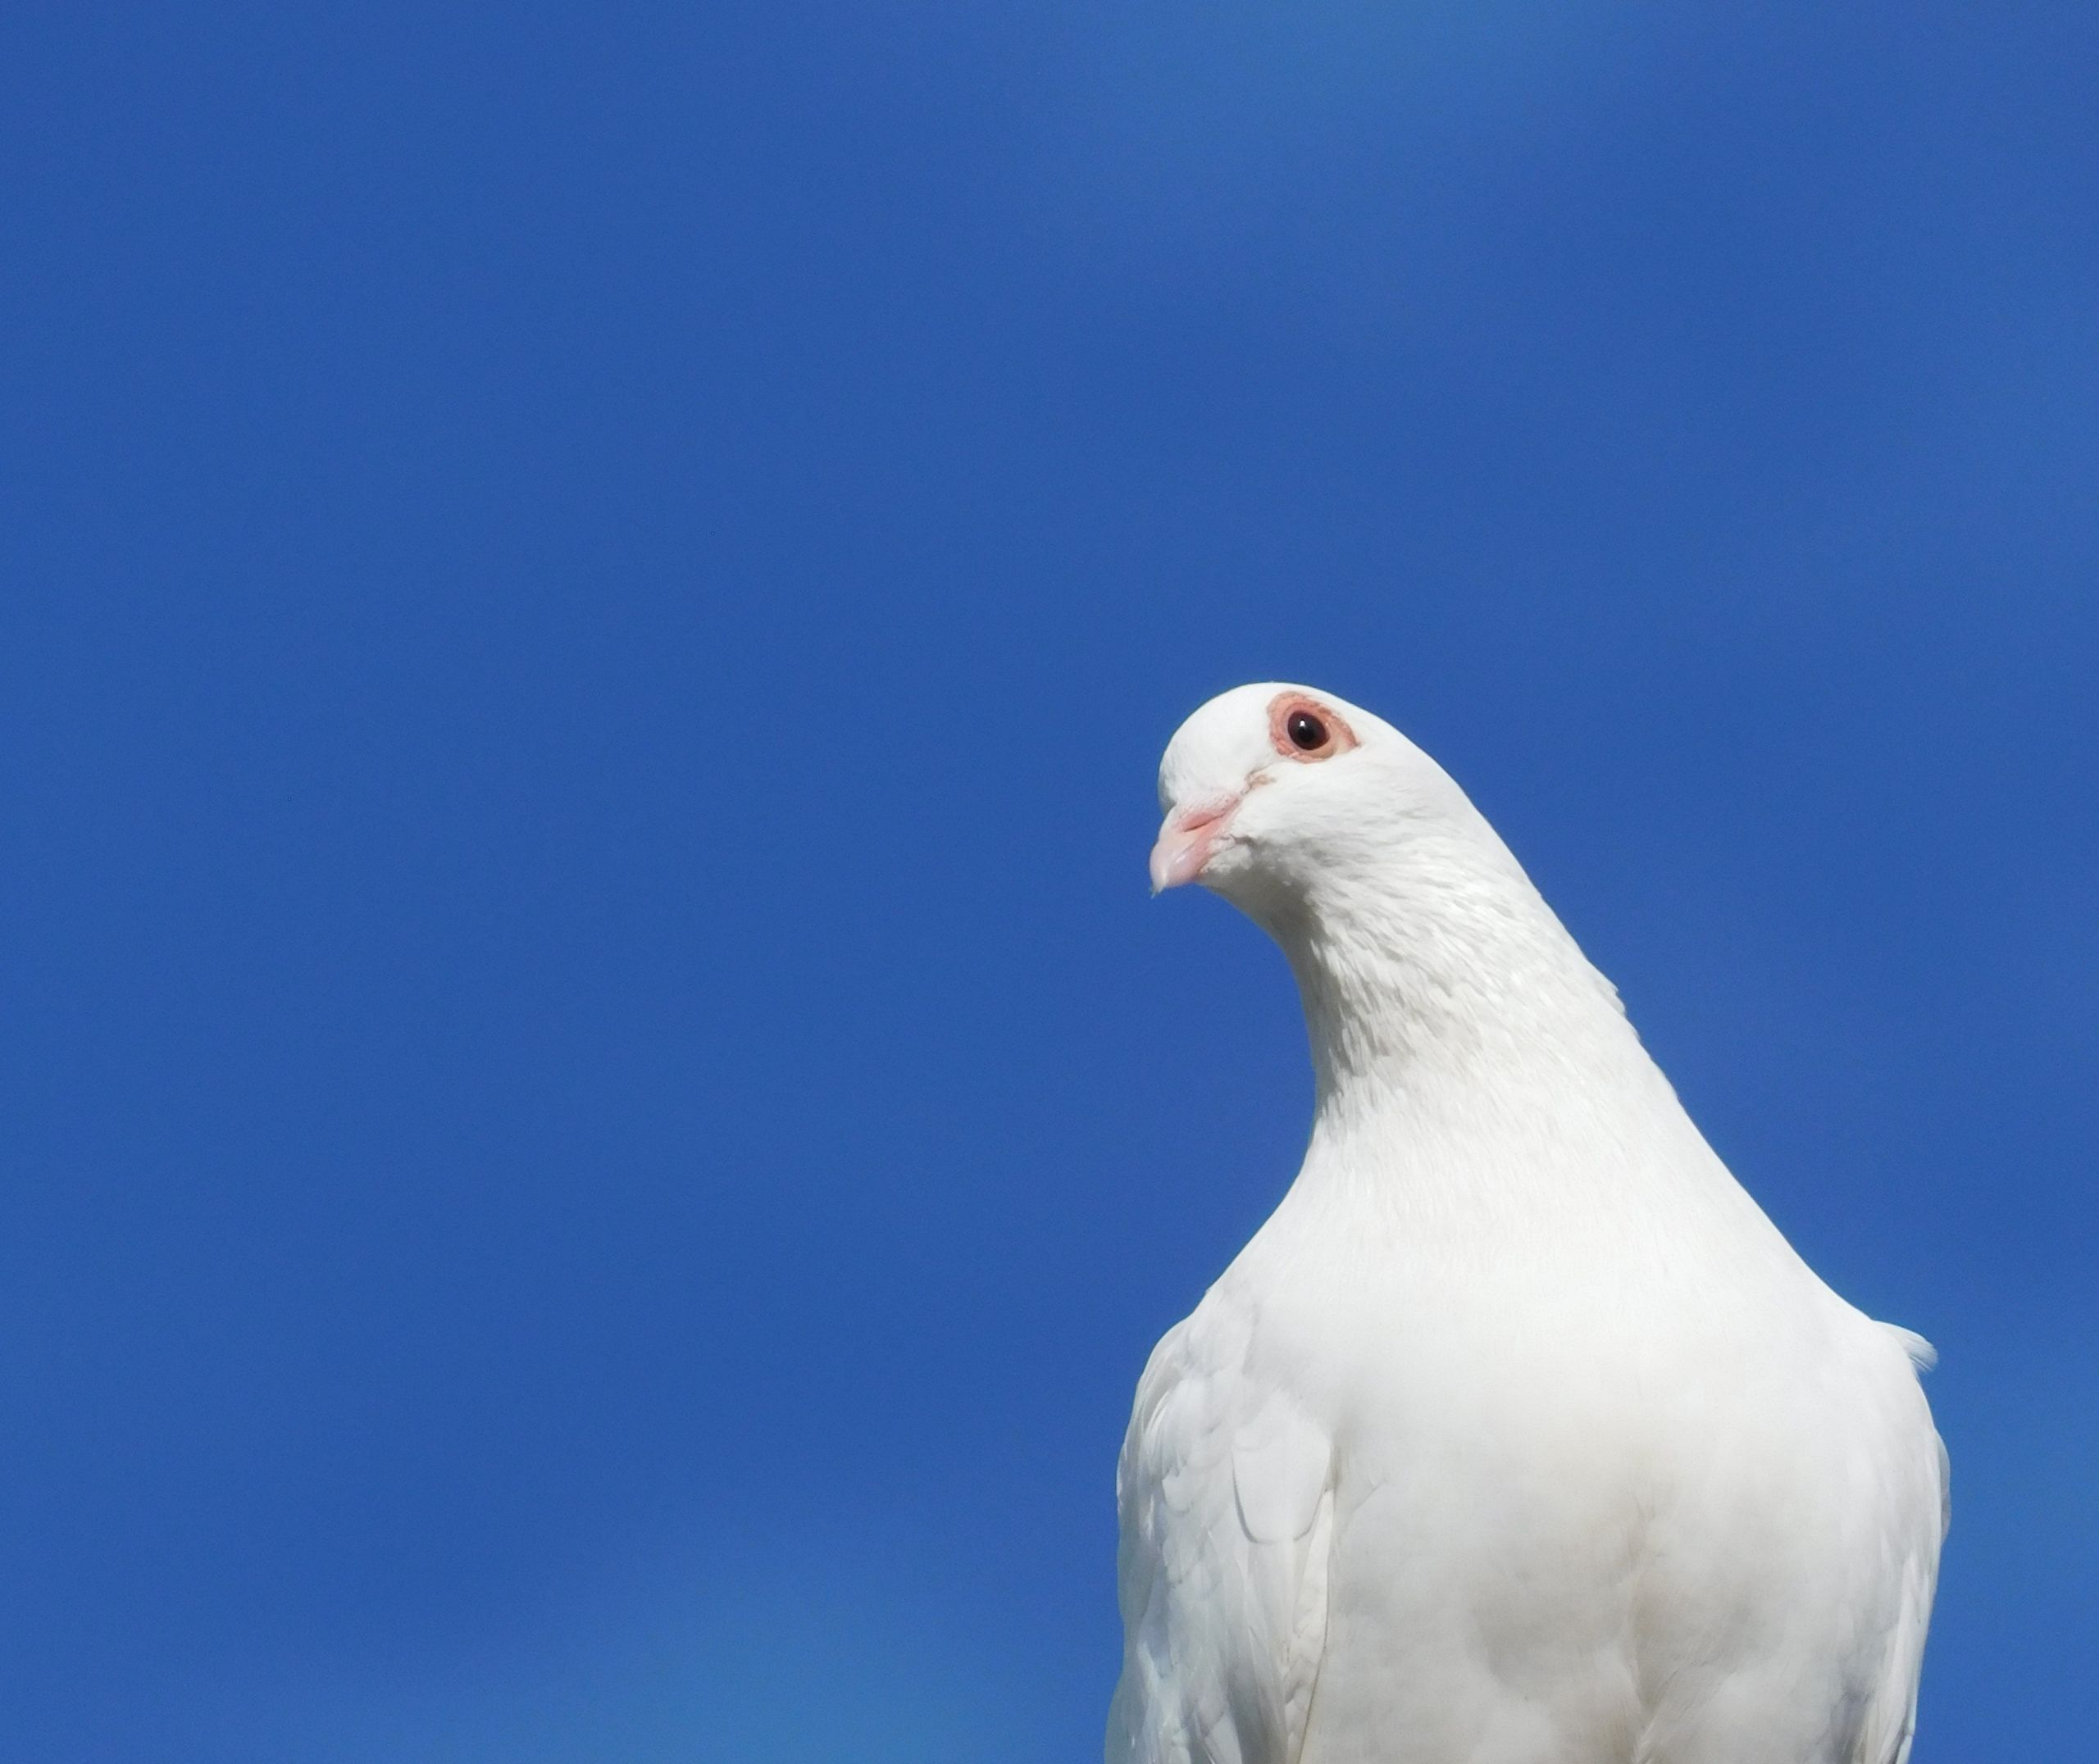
point(1187, 842)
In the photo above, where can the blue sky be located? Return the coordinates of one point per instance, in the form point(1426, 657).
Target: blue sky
point(598, 1123)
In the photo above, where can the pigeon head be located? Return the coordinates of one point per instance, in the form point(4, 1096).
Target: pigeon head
point(1410, 925)
point(1411, 928)
point(1281, 797)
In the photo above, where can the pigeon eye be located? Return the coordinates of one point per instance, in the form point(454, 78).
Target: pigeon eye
point(1307, 734)
point(1301, 728)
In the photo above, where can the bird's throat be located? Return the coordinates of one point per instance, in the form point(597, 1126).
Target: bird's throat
point(1454, 1002)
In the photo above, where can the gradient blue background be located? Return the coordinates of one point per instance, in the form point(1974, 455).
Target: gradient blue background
point(598, 1123)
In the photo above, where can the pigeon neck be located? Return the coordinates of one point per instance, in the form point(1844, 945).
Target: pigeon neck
point(1441, 988)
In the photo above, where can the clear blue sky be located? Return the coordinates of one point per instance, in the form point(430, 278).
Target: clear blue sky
point(596, 1120)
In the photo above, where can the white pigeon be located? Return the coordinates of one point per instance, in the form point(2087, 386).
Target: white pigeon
point(1518, 1435)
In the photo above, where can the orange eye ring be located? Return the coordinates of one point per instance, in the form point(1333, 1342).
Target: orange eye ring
point(1300, 728)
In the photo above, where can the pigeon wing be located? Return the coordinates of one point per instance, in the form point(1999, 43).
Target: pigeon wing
point(1226, 1493)
point(1891, 1717)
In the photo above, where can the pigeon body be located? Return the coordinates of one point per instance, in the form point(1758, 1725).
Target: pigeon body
point(1518, 1435)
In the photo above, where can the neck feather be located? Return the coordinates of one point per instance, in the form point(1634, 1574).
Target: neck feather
point(1440, 987)
point(1477, 1079)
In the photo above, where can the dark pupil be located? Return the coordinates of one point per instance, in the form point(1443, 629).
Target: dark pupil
point(1306, 731)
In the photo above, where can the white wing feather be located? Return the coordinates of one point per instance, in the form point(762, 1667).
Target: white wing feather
point(1226, 1493)
point(1891, 1719)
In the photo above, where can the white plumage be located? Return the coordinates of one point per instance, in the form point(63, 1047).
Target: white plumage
point(1518, 1435)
